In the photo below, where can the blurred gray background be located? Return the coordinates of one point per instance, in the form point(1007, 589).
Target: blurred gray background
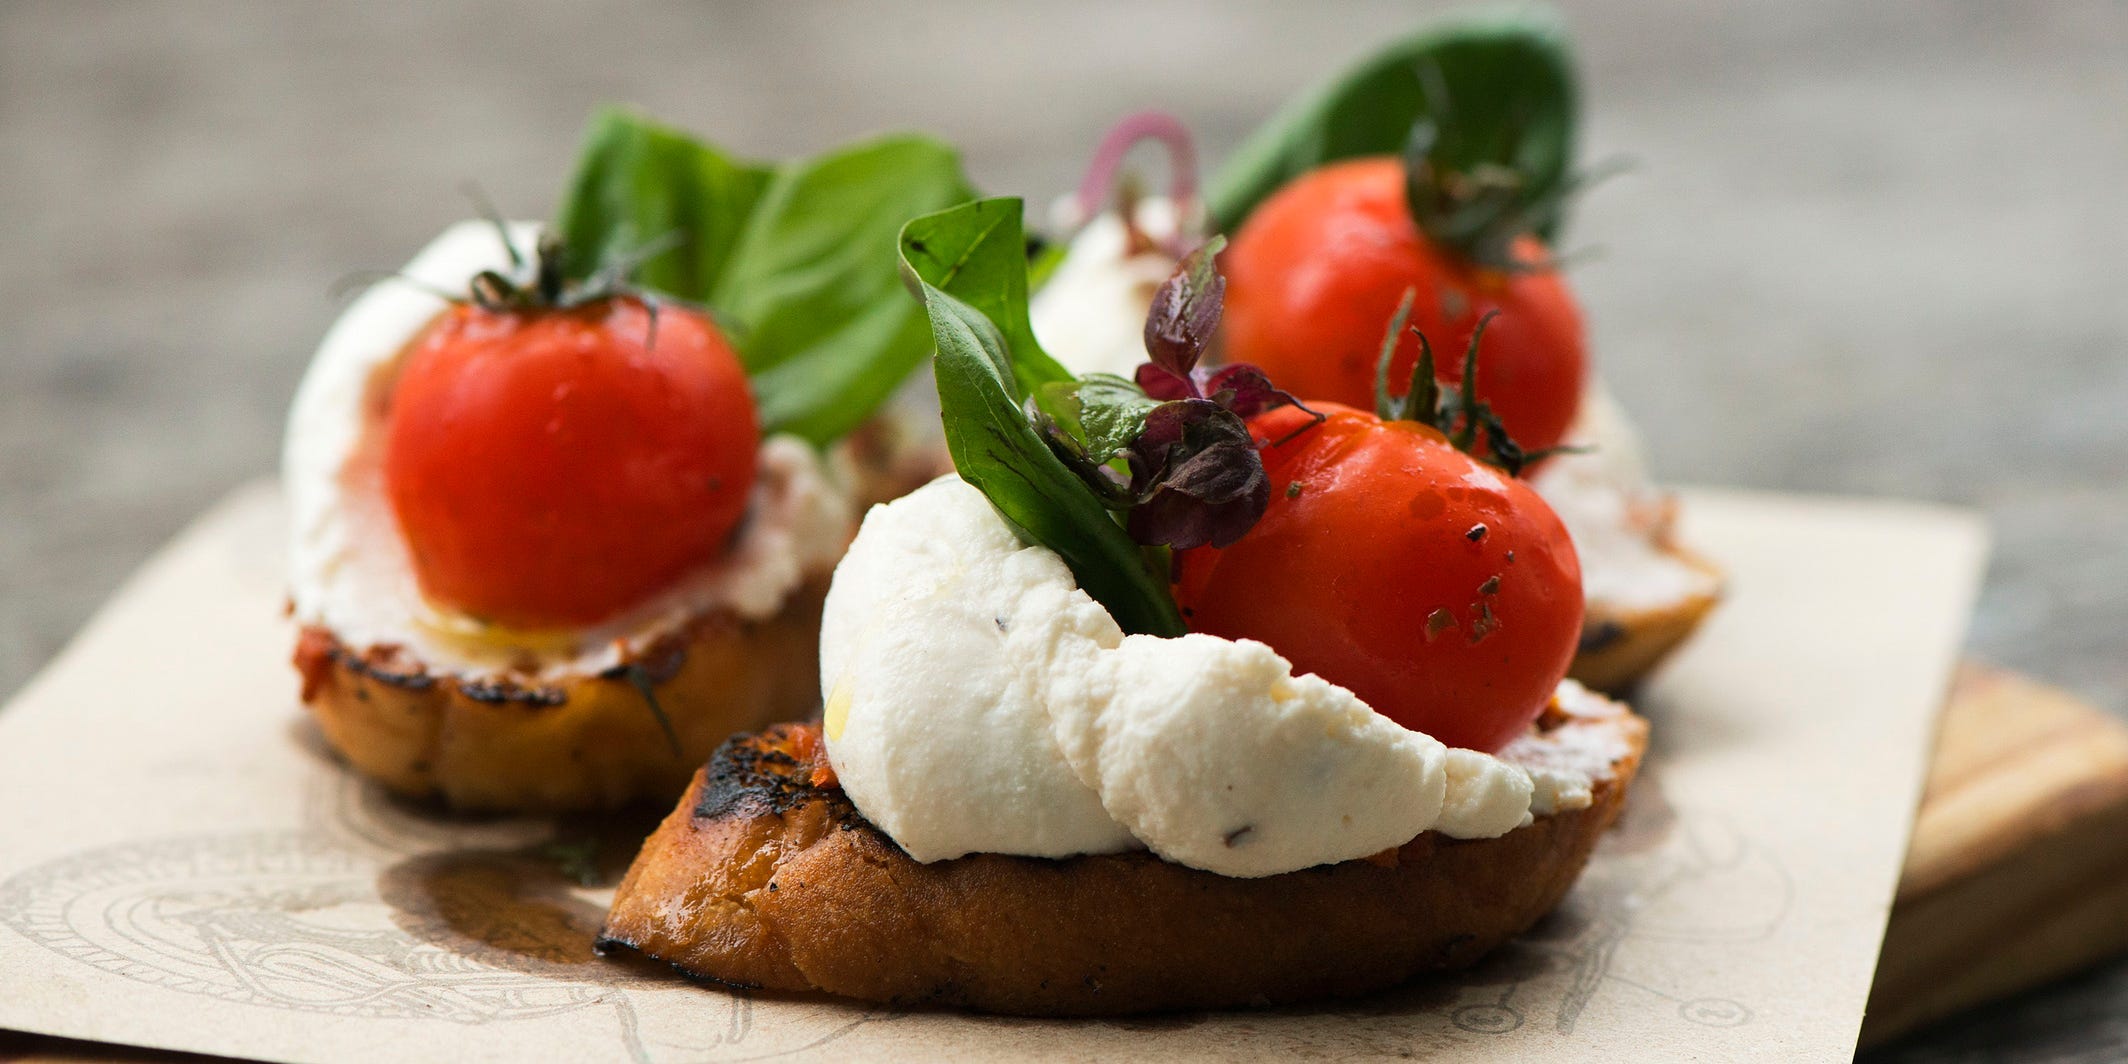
point(1873, 248)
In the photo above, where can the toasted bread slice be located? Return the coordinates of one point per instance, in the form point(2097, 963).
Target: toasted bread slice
point(1645, 591)
point(1622, 644)
point(498, 743)
point(762, 879)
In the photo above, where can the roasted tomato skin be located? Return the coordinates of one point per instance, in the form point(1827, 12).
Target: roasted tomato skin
point(552, 467)
point(1315, 275)
point(1443, 592)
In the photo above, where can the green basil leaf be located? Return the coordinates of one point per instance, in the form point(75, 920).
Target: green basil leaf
point(996, 448)
point(638, 182)
point(1042, 262)
point(814, 289)
point(831, 386)
point(1509, 73)
point(798, 261)
point(978, 254)
point(1103, 411)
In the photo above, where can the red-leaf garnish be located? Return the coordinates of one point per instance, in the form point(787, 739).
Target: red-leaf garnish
point(1195, 475)
point(1245, 390)
point(1163, 385)
point(1186, 311)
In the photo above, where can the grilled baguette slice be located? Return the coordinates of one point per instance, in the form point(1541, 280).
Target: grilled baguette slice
point(1620, 646)
point(762, 879)
point(498, 743)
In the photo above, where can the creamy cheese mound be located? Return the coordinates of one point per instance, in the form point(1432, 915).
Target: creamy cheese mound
point(937, 731)
point(1090, 314)
point(978, 701)
point(1618, 519)
point(348, 568)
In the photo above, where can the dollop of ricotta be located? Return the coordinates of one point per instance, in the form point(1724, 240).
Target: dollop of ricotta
point(978, 701)
point(1619, 521)
point(1090, 315)
point(348, 569)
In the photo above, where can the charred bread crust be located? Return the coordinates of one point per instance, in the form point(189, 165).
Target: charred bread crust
point(761, 879)
point(1620, 647)
point(503, 743)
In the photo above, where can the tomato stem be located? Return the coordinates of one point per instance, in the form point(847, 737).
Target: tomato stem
point(1456, 412)
point(1474, 413)
point(1386, 406)
point(541, 281)
point(1473, 205)
point(1424, 396)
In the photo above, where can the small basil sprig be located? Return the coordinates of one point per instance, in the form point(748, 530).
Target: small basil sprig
point(795, 259)
point(638, 182)
point(1059, 455)
point(977, 253)
point(994, 445)
point(1196, 477)
point(1485, 107)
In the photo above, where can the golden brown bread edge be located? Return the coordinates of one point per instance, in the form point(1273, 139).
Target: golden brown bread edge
point(761, 879)
point(498, 744)
point(584, 743)
point(1620, 647)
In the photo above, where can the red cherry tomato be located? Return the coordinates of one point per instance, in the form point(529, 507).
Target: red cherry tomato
point(550, 468)
point(1316, 273)
point(1440, 590)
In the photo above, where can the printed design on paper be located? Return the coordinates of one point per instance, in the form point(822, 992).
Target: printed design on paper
point(373, 910)
point(1658, 878)
point(277, 919)
point(377, 908)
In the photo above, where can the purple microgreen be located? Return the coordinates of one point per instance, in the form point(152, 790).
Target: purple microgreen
point(1186, 310)
point(1247, 390)
point(1163, 385)
point(1196, 476)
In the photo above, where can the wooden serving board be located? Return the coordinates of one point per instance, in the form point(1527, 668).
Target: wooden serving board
point(2018, 871)
point(2017, 874)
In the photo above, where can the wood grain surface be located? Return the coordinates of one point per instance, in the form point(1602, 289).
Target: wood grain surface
point(2018, 873)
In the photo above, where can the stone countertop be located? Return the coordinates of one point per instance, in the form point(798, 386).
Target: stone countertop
point(1863, 248)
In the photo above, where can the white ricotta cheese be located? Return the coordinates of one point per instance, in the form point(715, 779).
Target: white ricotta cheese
point(348, 569)
point(979, 701)
point(1617, 518)
point(1090, 315)
point(1214, 755)
point(934, 721)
